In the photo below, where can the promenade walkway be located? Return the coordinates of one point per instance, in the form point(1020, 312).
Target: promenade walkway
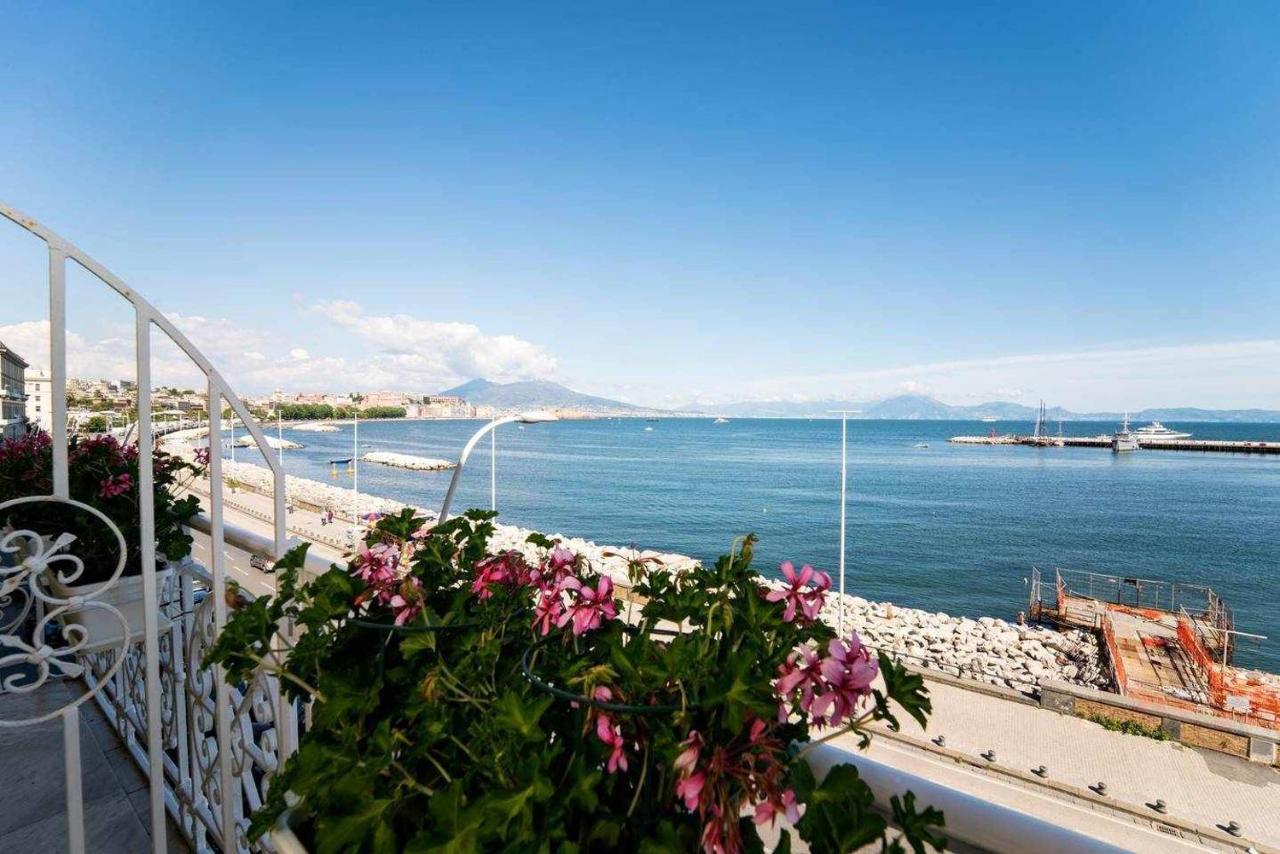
point(1202, 789)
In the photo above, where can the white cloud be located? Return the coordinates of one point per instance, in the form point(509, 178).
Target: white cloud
point(408, 353)
point(1213, 374)
point(426, 353)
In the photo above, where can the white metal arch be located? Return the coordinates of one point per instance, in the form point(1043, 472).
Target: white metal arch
point(146, 316)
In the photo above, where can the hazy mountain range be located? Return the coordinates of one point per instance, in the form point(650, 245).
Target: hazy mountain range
point(924, 408)
point(531, 394)
point(542, 393)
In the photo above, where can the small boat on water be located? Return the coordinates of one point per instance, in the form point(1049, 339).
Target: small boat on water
point(922, 444)
point(721, 420)
point(648, 429)
point(1123, 440)
point(989, 419)
point(1155, 431)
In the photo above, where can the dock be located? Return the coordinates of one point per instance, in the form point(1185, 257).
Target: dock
point(1203, 445)
point(1167, 644)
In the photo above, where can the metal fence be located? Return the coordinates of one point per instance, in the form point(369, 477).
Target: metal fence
point(196, 736)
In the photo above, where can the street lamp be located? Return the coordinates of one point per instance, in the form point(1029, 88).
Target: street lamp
point(279, 430)
point(844, 480)
point(536, 416)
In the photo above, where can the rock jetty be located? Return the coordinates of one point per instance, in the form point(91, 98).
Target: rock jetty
point(316, 427)
point(407, 461)
point(272, 442)
point(985, 649)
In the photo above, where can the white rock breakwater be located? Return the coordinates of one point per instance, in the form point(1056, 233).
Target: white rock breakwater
point(256, 478)
point(987, 649)
point(272, 442)
point(407, 461)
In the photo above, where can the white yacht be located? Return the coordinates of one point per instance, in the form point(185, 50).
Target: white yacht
point(989, 419)
point(721, 420)
point(1155, 431)
point(1124, 439)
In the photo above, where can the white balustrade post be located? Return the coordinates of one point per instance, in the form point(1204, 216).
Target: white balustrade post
point(75, 794)
point(58, 365)
point(150, 594)
point(217, 556)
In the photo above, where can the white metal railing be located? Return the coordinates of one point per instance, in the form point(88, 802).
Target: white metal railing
point(196, 736)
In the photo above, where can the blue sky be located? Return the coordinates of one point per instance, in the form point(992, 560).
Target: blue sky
point(667, 202)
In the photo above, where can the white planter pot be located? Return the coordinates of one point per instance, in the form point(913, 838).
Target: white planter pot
point(283, 839)
point(125, 595)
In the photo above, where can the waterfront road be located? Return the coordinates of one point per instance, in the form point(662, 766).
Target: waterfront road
point(1203, 790)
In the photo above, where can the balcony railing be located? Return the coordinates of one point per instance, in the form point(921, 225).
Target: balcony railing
point(198, 736)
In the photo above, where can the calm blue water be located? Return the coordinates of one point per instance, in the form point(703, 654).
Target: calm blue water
point(953, 528)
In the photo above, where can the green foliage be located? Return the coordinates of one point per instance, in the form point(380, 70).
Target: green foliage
point(467, 729)
point(1129, 727)
point(105, 475)
point(383, 412)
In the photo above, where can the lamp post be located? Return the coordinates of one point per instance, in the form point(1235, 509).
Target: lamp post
point(279, 430)
point(355, 476)
point(536, 416)
point(844, 481)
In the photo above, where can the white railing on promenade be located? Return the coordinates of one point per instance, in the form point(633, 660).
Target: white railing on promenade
point(210, 746)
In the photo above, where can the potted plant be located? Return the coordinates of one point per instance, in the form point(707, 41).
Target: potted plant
point(469, 700)
point(102, 473)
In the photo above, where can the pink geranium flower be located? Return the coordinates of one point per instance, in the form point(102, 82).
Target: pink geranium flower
point(798, 594)
point(588, 607)
point(688, 757)
point(848, 671)
point(406, 602)
point(376, 567)
point(547, 612)
point(689, 786)
point(610, 734)
point(689, 789)
point(785, 805)
point(801, 671)
point(114, 485)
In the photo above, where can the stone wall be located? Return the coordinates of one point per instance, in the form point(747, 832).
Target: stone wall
point(1196, 730)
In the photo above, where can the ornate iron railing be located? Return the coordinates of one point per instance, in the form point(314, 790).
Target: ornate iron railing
point(195, 735)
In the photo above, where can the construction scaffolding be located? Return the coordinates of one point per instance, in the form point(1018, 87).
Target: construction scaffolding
point(1168, 643)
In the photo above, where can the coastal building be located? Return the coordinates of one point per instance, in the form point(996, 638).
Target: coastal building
point(39, 385)
point(13, 411)
point(440, 407)
point(383, 398)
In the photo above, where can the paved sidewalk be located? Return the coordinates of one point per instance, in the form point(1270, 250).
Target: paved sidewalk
point(1203, 788)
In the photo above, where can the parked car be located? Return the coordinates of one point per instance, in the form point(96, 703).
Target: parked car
point(262, 563)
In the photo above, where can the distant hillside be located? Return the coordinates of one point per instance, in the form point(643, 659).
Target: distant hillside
point(531, 394)
point(918, 407)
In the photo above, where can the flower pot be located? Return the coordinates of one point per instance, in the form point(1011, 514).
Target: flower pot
point(282, 837)
point(125, 595)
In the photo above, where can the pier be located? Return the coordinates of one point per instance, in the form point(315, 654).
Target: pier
point(1168, 644)
point(1205, 445)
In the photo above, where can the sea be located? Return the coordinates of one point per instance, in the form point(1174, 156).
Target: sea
point(947, 527)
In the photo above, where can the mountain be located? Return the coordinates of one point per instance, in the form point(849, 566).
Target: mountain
point(919, 407)
point(534, 394)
